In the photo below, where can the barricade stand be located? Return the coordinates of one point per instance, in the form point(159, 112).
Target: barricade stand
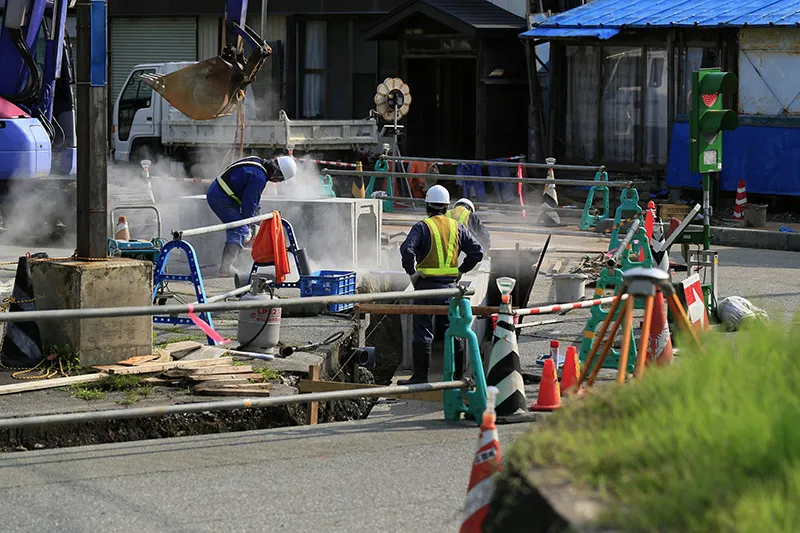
point(194, 277)
point(382, 165)
point(460, 315)
point(629, 203)
point(588, 220)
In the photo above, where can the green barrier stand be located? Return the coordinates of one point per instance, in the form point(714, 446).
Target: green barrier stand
point(612, 278)
point(326, 186)
point(629, 203)
point(588, 220)
point(460, 315)
point(382, 165)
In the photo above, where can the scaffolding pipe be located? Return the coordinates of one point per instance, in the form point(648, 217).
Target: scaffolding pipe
point(179, 309)
point(225, 405)
point(494, 163)
point(229, 294)
point(479, 206)
point(613, 261)
point(220, 227)
point(394, 222)
point(549, 309)
point(491, 179)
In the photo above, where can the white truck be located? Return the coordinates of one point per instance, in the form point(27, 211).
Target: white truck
point(145, 126)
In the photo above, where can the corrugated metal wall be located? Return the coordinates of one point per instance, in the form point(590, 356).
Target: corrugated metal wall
point(268, 88)
point(149, 40)
point(208, 37)
point(769, 71)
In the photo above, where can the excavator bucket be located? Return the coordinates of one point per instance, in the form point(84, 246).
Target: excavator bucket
point(202, 91)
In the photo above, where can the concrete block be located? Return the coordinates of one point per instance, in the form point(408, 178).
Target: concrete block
point(749, 238)
point(337, 233)
point(793, 242)
point(94, 284)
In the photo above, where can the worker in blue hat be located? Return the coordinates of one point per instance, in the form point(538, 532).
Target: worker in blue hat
point(430, 257)
point(236, 195)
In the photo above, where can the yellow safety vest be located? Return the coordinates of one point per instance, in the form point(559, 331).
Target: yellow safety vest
point(459, 213)
point(437, 263)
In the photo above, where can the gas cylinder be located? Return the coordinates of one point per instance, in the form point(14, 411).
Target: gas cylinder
point(259, 329)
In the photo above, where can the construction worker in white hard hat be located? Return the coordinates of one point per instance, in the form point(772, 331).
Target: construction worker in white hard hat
point(430, 257)
point(236, 195)
point(464, 211)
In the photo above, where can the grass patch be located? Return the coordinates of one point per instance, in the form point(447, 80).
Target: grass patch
point(711, 444)
point(86, 393)
point(267, 374)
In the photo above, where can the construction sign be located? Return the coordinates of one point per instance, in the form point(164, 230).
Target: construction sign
point(695, 305)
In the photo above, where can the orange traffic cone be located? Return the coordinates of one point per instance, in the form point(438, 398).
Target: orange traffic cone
point(570, 373)
point(549, 393)
point(659, 345)
point(121, 231)
point(487, 463)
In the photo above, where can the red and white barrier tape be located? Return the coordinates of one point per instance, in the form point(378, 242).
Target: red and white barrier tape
point(549, 309)
point(332, 163)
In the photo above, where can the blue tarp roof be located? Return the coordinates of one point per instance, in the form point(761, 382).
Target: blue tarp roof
point(605, 18)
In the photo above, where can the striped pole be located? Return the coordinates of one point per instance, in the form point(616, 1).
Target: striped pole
point(504, 370)
point(549, 309)
point(741, 200)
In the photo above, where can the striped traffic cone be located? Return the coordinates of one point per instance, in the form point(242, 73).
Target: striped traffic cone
point(504, 370)
point(121, 232)
point(549, 215)
point(659, 345)
point(741, 200)
point(487, 463)
point(22, 345)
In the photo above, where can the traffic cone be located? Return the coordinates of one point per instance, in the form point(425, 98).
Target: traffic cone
point(22, 346)
point(504, 370)
point(570, 373)
point(549, 216)
point(659, 345)
point(121, 231)
point(487, 463)
point(549, 397)
point(741, 200)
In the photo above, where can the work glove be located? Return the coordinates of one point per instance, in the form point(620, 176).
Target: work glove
point(249, 235)
point(415, 277)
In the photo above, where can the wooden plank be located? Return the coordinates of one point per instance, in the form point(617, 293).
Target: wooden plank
point(312, 417)
point(209, 370)
point(152, 368)
point(138, 360)
point(223, 377)
point(232, 392)
point(405, 309)
point(307, 385)
point(179, 350)
point(233, 385)
point(42, 384)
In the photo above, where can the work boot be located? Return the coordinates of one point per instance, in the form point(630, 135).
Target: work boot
point(458, 355)
point(421, 353)
point(229, 254)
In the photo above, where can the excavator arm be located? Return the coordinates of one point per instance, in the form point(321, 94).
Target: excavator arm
point(211, 88)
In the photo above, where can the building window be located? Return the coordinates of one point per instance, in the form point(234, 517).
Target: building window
point(656, 115)
point(314, 69)
point(580, 131)
point(621, 102)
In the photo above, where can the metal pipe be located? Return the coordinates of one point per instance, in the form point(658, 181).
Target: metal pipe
point(494, 163)
point(613, 261)
point(482, 204)
point(492, 179)
point(549, 309)
point(177, 309)
point(220, 227)
point(225, 405)
point(229, 294)
point(510, 229)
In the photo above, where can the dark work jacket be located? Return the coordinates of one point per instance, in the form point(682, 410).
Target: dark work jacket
point(418, 244)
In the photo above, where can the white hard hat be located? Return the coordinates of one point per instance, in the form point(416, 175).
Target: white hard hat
point(287, 166)
point(466, 202)
point(437, 195)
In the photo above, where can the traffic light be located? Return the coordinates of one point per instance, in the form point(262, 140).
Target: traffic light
point(707, 118)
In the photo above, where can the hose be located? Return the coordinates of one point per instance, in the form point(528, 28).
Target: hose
point(34, 85)
point(286, 351)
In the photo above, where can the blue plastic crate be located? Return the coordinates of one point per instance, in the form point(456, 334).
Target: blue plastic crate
point(329, 283)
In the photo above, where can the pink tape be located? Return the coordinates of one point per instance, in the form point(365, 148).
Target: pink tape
point(207, 329)
point(519, 190)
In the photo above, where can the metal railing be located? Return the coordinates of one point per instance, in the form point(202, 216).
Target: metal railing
point(226, 405)
point(178, 234)
point(176, 309)
point(490, 163)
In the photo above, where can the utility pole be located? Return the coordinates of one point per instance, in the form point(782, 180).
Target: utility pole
point(92, 129)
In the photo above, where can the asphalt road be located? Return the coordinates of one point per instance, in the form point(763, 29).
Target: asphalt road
point(404, 469)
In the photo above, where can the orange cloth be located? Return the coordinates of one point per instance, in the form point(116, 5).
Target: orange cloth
point(418, 184)
point(269, 246)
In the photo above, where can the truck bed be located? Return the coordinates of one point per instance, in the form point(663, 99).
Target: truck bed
point(179, 130)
